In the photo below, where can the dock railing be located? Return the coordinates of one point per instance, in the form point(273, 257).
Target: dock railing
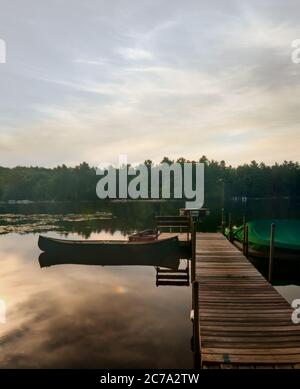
point(183, 223)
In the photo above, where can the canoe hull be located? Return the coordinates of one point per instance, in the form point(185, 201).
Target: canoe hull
point(287, 234)
point(111, 252)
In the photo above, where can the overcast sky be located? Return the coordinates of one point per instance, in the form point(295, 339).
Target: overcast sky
point(89, 80)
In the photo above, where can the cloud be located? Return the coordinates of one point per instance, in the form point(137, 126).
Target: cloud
point(146, 80)
point(89, 61)
point(135, 54)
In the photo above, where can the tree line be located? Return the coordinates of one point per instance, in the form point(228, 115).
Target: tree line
point(64, 183)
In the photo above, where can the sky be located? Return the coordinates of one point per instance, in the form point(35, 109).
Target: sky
point(91, 80)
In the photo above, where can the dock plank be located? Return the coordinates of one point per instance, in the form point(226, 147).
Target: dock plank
point(243, 320)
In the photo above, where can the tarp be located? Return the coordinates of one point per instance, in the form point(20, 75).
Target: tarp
point(287, 233)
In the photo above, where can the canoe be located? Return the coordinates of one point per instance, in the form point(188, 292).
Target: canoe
point(155, 252)
point(143, 236)
point(287, 236)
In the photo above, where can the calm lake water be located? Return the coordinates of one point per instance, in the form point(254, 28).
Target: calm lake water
point(92, 316)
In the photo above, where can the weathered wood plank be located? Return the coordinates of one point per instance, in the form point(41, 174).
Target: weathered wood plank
point(256, 351)
point(243, 321)
point(261, 359)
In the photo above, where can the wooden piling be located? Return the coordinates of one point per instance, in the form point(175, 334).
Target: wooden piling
point(222, 221)
point(193, 236)
point(247, 241)
point(271, 253)
point(196, 336)
point(244, 238)
point(230, 227)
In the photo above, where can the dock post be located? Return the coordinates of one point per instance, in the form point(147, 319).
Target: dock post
point(271, 253)
point(247, 241)
point(230, 227)
point(196, 336)
point(222, 221)
point(244, 238)
point(193, 272)
point(189, 228)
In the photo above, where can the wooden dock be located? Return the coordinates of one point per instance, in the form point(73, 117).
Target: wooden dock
point(242, 321)
point(182, 237)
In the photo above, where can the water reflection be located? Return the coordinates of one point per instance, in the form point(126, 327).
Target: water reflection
point(47, 260)
point(88, 316)
point(94, 316)
point(285, 275)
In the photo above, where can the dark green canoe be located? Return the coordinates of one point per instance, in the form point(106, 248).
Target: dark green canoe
point(287, 234)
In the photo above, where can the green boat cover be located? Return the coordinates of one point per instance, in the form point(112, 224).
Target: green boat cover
point(287, 233)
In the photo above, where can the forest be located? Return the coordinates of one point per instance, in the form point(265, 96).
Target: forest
point(62, 183)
